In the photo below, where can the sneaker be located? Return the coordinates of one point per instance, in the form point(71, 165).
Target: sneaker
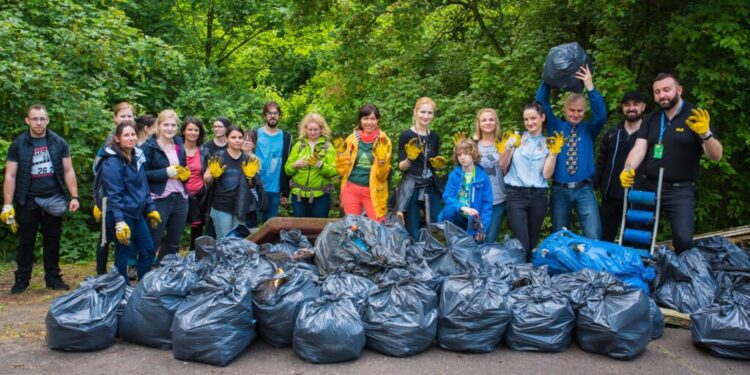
point(132, 272)
point(19, 287)
point(57, 284)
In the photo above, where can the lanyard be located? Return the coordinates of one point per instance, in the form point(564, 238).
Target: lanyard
point(663, 127)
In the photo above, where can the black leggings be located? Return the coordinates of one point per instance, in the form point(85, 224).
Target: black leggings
point(526, 209)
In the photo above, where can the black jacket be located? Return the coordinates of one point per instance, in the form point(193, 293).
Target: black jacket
point(614, 149)
point(157, 163)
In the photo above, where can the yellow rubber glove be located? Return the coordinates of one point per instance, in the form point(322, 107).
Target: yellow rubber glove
point(413, 149)
point(215, 168)
point(458, 137)
point(183, 173)
point(699, 122)
point(122, 232)
point(500, 144)
point(339, 144)
point(514, 140)
point(154, 218)
point(438, 162)
point(627, 177)
point(251, 167)
point(8, 216)
point(380, 150)
point(314, 158)
point(555, 143)
point(97, 213)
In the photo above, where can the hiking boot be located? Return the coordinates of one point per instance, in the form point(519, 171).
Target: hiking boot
point(20, 286)
point(57, 284)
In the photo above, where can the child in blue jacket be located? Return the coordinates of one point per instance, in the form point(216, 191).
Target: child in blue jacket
point(468, 192)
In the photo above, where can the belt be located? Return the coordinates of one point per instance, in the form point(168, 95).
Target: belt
point(672, 184)
point(571, 185)
point(325, 189)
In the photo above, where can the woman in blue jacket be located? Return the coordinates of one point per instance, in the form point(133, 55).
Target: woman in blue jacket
point(129, 200)
point(468, 192)
point(166, 169)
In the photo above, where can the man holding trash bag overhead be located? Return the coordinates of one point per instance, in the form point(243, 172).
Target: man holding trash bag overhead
point(571, 187)
point(673, 138)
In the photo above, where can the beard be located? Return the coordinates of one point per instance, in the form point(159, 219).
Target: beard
point(632, 116)
point(669, 105)
point(272, 123)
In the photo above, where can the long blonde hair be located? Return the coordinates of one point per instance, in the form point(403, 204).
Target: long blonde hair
point(325, 131)
point(478, 131)
point(163, 116)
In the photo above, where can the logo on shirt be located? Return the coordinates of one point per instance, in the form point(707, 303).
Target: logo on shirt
point(41, 163)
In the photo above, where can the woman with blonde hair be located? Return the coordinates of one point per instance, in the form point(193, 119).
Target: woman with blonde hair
point(364, 162)
point(311, 168)
point(419, 157)
point(167, 172)
point(487, 135)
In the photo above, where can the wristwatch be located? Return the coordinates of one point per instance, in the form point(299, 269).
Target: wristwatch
point(76, 198)
point(707, 137)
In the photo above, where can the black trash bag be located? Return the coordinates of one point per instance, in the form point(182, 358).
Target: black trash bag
point(148, 316)
point(418, 270)
point(328, 330)
point(460, 253)
point(617, 323)
point(215, 322)
point(499, 254)
point(340, 248)
point(292, 247)
point(723, 329)
point(123, 304)
point(685, 282)
point(253, 270)
point(473, 313)
point(657, 320)
point(231, 251)
point(86, 318)
point(400, 319)
point(347, 285)
point(277, 301)
point(398, 238)
point(521, 275)
point(722, 254)
point(240, 231)
point(561, 65)
point(580, 285)
point(733, 287)
point(542, 320)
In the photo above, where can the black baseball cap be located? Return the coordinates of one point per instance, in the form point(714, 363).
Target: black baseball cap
point(633, 95)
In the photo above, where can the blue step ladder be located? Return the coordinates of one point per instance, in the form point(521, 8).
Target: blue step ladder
point(648, 214)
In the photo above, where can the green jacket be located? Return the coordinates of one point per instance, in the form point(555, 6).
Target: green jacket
point(311, 177)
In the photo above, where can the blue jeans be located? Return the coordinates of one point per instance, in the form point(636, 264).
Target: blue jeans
point(272, 210)
point(301, 206)
point(224, 222)
point(496, 221)
point(141, 246)
point(583, 200)
point(412, 216)
point(173, 210)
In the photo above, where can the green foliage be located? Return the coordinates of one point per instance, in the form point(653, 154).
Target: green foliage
point(211, 58)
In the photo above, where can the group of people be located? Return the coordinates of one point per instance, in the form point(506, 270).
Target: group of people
point(158, 175)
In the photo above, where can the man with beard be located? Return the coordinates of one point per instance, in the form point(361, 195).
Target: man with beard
point(273, 149)
point(615, 146)
point(673, 138)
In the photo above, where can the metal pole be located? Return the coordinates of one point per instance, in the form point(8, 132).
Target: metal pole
point(624, 211)
point(656, 213)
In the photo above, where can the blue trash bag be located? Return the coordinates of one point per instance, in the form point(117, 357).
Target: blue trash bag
point(329, 329)
point(459, 254)
point(86, 318)
point(499, 254)
point(542, 320)
point(685, 282)
point(580, 285)
point(561, 65)
point(564, 251)
point(723, 329)
point(148, 315)
point(617, 322)
point(350, 286)
point(473, 312)
point(277, 301)
point(215, 322)
point(657, 320)
point(400, 318)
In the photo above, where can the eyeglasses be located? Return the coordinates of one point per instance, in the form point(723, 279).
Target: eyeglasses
point(37, 119)
point(272, 113)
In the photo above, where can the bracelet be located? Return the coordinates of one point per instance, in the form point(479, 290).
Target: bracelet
point(76, 198)
point(709, 136)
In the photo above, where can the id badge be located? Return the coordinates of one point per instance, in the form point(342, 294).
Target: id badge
point(658, 151)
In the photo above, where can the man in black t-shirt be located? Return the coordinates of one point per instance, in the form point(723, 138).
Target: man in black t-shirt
point(37, 170)
point(673, 138)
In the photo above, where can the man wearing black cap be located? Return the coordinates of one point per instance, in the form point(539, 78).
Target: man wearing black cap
point(615, 146)
point(674, 138)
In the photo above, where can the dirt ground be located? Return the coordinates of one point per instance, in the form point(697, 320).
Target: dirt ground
point(23, 351)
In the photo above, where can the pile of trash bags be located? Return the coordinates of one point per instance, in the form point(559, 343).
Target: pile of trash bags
point(711, 282)
point(370, 285)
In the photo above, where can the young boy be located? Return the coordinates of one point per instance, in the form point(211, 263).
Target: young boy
point(468, 192)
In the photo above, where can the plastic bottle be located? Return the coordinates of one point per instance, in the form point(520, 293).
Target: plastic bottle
point(356, 236)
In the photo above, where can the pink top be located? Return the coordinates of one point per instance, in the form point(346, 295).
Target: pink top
point(173, 185)
point(195, 183)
